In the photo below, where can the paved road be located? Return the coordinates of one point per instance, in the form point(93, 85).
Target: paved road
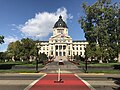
point(102, 81)
point(16, 81)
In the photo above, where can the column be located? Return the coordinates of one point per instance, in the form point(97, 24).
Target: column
point(62, 50)
point(54, 53)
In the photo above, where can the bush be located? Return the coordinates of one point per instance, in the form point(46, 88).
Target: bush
point(95, 61)
point(113, 61)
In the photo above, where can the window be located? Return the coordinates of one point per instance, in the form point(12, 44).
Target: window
point(68, 47)
point(73, 48)
point(51, 47)
point(51, 52)
point(84, 48)
point(60, 53)
point(77, 53)
point(60, 31)
point(43, 48)
point(73, 53)
point(60, 47)
point(63, 53)
point(80, 48)
point(69, 52)
point(56, 53)
point(76, 48)
point(64, 47)
point(80, 53)
point(56, 47)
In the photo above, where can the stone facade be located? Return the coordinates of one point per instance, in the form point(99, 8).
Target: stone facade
point(61, 44)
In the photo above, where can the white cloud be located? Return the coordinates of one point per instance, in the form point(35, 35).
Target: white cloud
point(41, 25)
point(10, 39)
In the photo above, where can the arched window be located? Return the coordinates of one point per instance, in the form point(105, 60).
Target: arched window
point(56, 47)
point(64, 47)
point(63, 53)
point(60, 53)
point(60, 47)
point(56, 53)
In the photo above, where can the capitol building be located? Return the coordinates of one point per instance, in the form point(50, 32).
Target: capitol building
point(61, 45)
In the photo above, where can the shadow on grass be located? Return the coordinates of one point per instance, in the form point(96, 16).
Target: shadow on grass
point(6, 66)
point(116, 67)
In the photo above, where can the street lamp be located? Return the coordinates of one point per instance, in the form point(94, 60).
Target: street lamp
point(85, 62)
point(37, 60)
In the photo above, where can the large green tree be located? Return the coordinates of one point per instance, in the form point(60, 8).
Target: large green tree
point(22, 49)
point(101, 25)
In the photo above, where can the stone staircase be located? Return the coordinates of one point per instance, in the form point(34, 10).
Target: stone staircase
point(57, 58)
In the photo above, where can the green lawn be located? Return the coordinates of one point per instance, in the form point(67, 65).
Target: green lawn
point(32, 65)
point(19, 64)
point(114, 71)
point(105, 71)
point(17, 71)
point(99, 64)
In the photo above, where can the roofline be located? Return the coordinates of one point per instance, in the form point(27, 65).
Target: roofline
point(73, 41)
point(79, 41)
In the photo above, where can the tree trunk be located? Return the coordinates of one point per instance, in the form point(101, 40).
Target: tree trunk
point(101, 60)
point(13, 58)
point(119, 57)
point(30, 59)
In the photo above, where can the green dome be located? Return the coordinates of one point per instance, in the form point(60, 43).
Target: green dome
point(60, 23)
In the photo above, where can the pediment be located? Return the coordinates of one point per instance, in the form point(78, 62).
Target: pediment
point(60, 36)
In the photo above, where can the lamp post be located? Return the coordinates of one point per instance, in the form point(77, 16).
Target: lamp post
point(37, 60)
point(85, 62)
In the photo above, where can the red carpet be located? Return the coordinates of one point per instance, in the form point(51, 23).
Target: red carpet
point(71, 82)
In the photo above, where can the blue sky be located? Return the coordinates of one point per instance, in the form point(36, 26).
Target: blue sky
point(35, 18)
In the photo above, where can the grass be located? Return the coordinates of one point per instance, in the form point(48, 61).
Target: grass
point(17, 71)
point(19, 64)
point(11, 63)
point(105, 71)
point(32, 65)
point(99, 64)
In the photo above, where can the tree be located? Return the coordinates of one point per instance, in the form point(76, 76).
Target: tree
point(1, 39)
point(101, 25)
point(29, 48)
point(14, 50)
point(2, 56)
point(22, 49)
point(42, 57)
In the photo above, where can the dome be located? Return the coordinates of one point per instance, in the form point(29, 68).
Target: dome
point(60, 23)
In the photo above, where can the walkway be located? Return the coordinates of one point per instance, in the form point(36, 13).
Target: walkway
point(71, 82)
point(68, 67)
